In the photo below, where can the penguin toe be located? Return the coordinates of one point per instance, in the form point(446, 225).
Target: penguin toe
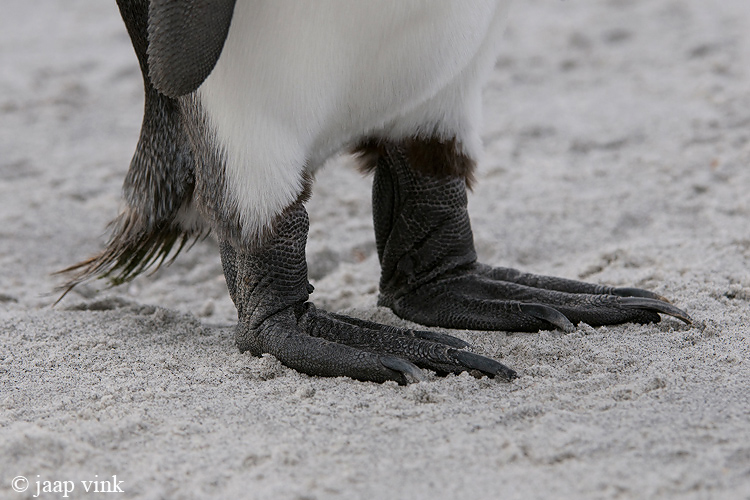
point(506, 300)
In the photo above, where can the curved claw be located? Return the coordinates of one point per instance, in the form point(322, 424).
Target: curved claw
point(441, 338)
point(549, 315)
point(637, 292)
point(485, 365)
point(656, 305)
point(410, 371)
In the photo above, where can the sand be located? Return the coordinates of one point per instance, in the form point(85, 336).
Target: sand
point(617, 143)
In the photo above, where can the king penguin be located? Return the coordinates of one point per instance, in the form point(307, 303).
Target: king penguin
point(246, 98)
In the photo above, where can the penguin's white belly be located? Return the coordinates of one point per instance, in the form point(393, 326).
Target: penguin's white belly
point(298, 81)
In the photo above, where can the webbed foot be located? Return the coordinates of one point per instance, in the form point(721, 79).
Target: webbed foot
point(270, 289)
point(478, 297)
point(429, 270)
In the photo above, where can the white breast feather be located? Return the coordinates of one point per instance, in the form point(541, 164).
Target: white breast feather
point(298, 81)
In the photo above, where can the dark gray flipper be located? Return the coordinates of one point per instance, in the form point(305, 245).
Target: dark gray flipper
point(270, 289)
point(186, 38)
point(429, 269)
point(159, 184)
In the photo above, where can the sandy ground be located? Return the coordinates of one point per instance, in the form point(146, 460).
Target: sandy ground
point(617, 151)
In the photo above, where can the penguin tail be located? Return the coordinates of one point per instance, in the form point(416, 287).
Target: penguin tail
point(159, 219)
point(134, 247)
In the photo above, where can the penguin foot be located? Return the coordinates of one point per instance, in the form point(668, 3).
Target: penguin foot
point(479, 297)
point(430, 273)
point(320, 343)
point(270, 289)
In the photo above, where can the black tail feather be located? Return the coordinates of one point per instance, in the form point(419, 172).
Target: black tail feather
point(132, 249)
point(158, 186)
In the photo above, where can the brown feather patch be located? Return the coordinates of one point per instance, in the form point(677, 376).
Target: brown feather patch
point(432, 156)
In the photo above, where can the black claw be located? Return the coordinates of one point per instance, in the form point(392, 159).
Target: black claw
point(637, 292)
point(485, 365)
point(656, 305)
point(549, 315)
point(441, 338)
point(410, 371)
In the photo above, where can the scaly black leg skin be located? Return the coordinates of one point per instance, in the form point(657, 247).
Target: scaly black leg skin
point(429, 270)
point(270, 289)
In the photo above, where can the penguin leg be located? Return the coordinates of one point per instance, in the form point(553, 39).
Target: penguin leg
point(269, 286)
point(430, 274)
